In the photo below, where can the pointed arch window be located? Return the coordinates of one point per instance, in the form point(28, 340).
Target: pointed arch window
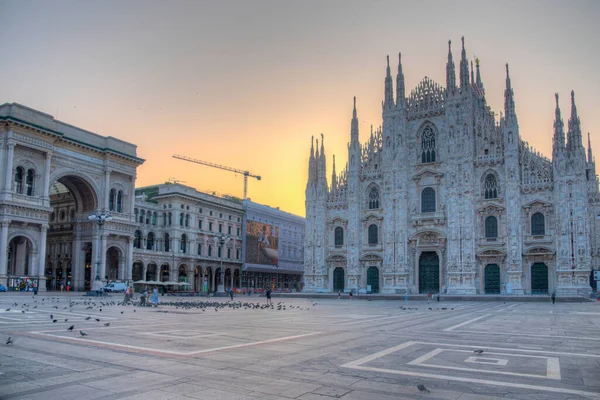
point(538, 227)
point(154, 218)
point(29, 182)
point(19, 175)
point(137, 240)
point(428, 200)
point(339, 236)
point(120, 201)
point(167, 242)
point(428, 145)
point(490, 187)
point(373, 234)
point(111, 200)
point(373, 198)
point(150, 241)
point(491, 227)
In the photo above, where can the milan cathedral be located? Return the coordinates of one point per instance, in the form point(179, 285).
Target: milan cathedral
point(446, 197)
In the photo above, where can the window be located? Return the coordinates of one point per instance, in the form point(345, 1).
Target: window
point(120, 201)
point(183, 244)
point(199, 249)
point(228, 253)
point(491, 227)
point(373, 198)
point(220, 215)
point(200, 210)
point(428, 200)
point(137, 240)
point(238, 231)
point(181, 219)
point(230, 217)
point(210, 226)
point(150, 241)
point(148, 217)
point(220, 228)
point(111, 200)
point(170, 218)
point(490, 187)
point(167, 241)
point(136, 212)
point(19, 179)
point(210, 251)
point(428, 145)
point(165, 219)
point(229, 230)
point(29, 182)
point(237, 254)
point(142, 214)
point(538, 227)
point(219, 252)
point(187, 220)
point(339, 236)
point(154, 218)
point(200, 224)
point(373, 239)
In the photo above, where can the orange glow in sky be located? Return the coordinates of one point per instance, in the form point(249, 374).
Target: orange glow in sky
point(247, 83)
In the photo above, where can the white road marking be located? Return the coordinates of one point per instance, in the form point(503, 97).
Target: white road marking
point(487, 360)
point(509, 349)
point(466, 322)
point(529, 335)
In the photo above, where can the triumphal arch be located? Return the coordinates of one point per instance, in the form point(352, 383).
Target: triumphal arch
point(53, 178)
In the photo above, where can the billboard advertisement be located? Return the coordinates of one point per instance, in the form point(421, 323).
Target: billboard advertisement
point(262, 243)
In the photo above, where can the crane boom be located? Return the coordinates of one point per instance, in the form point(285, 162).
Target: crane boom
point(209, 164)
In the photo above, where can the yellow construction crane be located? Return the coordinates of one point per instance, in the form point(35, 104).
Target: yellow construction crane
point(237, 171)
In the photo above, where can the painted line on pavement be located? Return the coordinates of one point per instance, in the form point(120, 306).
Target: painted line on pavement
point(466, 322)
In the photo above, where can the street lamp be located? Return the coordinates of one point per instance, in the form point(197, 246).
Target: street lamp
point(220, 240)
point(100, 217)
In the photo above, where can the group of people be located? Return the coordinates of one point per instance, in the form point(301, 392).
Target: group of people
point(153, 299)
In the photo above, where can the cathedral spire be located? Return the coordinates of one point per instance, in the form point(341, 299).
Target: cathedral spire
point(450, 72)
point(558, 141)
point(472, 76)
point(479, 82)
point(311, 165)
point(589, 150)
point(389, 89)
point(464, 68)
point(333, 175)
point(574, 140)
point(354, 125)
point(509, 102)
point(400, 94)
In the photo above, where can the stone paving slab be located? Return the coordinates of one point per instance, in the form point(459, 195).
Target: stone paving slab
point(334, 349)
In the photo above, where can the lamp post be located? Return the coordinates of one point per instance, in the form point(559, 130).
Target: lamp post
point(220, 240)
point(100, 217)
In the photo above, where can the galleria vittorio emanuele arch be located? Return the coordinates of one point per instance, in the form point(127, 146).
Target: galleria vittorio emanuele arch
point(53, 176)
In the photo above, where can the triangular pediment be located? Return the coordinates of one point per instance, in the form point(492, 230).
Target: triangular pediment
point(371, 257)
point(538, 251)
point(491, 253)
point(426, 173)
point(491, 206)
point(538, 202)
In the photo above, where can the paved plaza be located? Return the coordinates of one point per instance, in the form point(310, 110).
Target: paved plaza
point(348, 349)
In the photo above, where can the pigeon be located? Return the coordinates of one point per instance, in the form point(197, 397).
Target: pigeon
point(82, 333)
point(51, 316)
point(107, 324)
point(122, 312)
point(97, 319)
point(71, 328)
point(8, 309)
point(66, 320)
point(478, 351)
point(9, 340)
point(88, 318)
point(422, 388)
point(54, 320)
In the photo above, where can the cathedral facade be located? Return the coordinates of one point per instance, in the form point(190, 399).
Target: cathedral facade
point(447, 197)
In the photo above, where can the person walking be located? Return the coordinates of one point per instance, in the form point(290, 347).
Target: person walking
point(155, 296)
point(553, 297)
point(339, 294)
point(428, 297)
point(437, 296)
point(269, 297)
point(231, 293)
point(350, 294)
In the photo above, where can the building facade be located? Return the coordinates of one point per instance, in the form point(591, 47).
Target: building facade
point(177, 238)
point(274, 249)
point(53, 176)
point(447, 197)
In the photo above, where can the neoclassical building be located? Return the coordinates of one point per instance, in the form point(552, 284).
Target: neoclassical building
point(53, 176)
point(175, 237)
point(447, 197)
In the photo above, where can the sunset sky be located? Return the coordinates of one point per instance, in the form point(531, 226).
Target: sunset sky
point(247, 83)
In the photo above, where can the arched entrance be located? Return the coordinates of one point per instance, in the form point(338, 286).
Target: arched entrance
point(183, 276)
point(539, 278)
point(151, 272)
point(338, 279)
point(373, 279)
point(137, 271)
point(164, 272)
point(20, 264)
point(72, 199)
point(207, 283)
point(113, 256)
point(492, 279)
point(429, 272)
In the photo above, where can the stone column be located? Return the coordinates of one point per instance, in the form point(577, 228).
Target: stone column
point(76, 267)
point(145, 272)
point(132, 197)
point(46, 195)
point(129, 259)
point(122, 275)
point(103, 240)
point(9, 166)
point(95, 257)
point(106, 190)
point(42, 252)
point(212, 283)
